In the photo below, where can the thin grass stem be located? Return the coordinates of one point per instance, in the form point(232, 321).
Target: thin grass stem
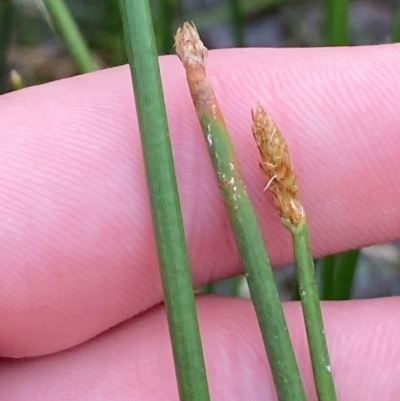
point(282, 184)
point(229, 286)
point(164, 201)
point(113, 42)
point(328, 269)
point(308, 292)
point(336, 22)
point(245, 226)
point(396, 26)
point(167, 20)
point(237, 22)
point(345, 273)
point(337, 275)
point(6, 23)
point(64, 23)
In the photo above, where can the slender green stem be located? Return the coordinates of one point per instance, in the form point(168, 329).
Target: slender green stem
point(344, 276)
point(328, 276)
point(167, 21)
point(164, 200)
point(282, 184)
point(6, 18)
point(337, 275)
point(237, 22)
point(235, 284)
point(396, 25)
point(69, 32)
point(208, 288)
point(312, 313)
point(336, 24)
point(113, 40)
point(230, 286)
point(244, 222)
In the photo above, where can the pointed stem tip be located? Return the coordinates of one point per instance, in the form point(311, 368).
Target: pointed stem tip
point(189, 46)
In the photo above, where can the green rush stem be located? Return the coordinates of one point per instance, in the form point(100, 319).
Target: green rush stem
point(336, 22)
point(6, 19)
point(235, 284)
point(237, 22)
point(396, 25)
point(167, 21)
point(230, 286)
point(345, 272)
point(312, 313)
point(164, 201)
point(256, 263)
point(111, 23)
point(63, 21)
point(328, 266)
point(337, 275)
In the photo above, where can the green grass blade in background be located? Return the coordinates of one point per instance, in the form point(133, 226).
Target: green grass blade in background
point(336, 22)
point(327, 269)
point(344, 275)
point(230, 286)
point(6, 21)
point(112, 40)
point(396, 25)
point(337, 275)
point(65, 25)
point(164, 201)
point(167, 26)
point(237, 22)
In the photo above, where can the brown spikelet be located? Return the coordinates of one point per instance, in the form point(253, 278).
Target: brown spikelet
point(276, 165)
point(189, 46)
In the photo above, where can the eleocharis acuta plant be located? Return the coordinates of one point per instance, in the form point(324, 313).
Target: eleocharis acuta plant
point(282, 184)
point(164, 201)
point(258, 271)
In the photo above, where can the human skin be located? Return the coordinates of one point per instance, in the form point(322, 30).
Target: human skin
point(76, 242)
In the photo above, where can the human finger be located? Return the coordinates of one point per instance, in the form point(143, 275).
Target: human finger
point(76, 241)
point(134, 360)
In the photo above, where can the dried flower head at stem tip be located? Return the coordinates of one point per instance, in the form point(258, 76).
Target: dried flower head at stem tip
point(189, 46)
point(276, 165)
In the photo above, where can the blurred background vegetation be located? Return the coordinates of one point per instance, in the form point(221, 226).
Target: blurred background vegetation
point(31, 44)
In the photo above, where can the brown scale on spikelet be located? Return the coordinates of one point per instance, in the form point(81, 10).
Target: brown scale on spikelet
point(276, 165)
